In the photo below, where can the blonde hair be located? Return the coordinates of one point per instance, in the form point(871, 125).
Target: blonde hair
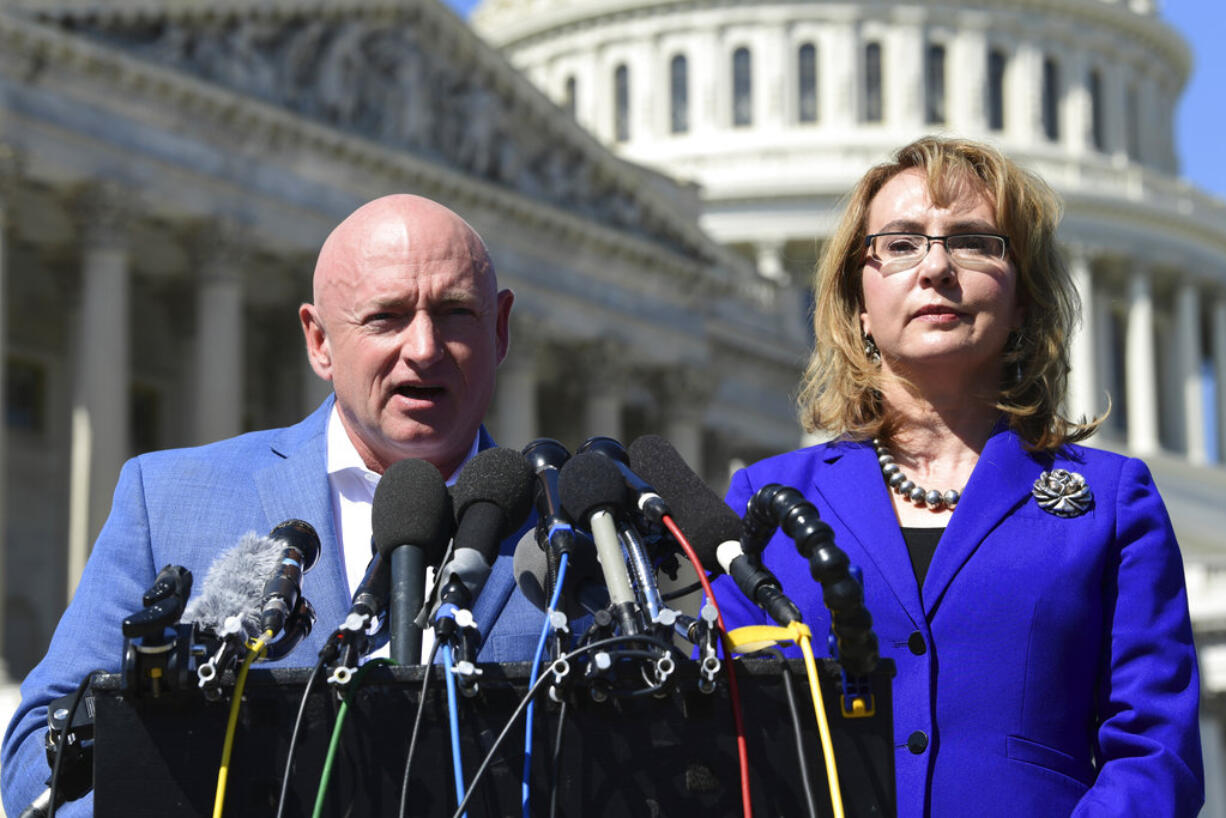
point(841, 391)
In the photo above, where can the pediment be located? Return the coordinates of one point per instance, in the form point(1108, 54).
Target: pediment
point(410, 76)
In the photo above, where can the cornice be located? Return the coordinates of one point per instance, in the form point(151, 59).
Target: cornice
point(613, 179)
point(26, 44)
point(515, 24)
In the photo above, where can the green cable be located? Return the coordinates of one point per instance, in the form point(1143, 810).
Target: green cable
point(336, 733)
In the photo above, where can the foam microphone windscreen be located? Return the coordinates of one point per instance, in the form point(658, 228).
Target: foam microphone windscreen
point(234, 584)
point(412, 507)
point(500, 476)
point(590, 481)
point(699, 512)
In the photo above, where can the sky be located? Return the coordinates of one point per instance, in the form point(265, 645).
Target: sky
point(1201, 120)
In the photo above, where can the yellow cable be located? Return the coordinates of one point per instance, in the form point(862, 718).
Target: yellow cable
point(254, 649)
point(823, 728)
point(753, 638)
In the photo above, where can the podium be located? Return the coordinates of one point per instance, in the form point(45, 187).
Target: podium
point(624, 756)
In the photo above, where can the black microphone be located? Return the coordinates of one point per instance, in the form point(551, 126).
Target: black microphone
point(411, 521)
point(492, 498)
point(648, 500)
point(714, 529)
point(299, 552)
point(593, 491)
point(583, 590)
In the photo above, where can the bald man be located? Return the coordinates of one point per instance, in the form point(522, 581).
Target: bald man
point(408, 325)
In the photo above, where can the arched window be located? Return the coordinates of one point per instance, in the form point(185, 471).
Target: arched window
point(568, 96)
point(1133, 115)
point(934, 84)
point(742, 88)
point(874, 107)
point(806, 83)
point(679, 94)
point(621, 103)
point(1051, 99)
point(996, 89)
point(1094, 85)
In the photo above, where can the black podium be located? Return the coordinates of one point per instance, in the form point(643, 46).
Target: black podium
point(640, 756)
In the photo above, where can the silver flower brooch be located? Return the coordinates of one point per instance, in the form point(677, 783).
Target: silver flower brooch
point(1063, 493)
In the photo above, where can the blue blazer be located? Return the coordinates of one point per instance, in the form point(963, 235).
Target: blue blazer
point(1047, 662)
point(184, 507)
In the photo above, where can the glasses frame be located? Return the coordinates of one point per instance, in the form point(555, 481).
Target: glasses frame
point(868, 244)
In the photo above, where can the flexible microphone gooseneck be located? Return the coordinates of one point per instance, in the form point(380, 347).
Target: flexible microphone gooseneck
point(411, 522)
point(774, 506)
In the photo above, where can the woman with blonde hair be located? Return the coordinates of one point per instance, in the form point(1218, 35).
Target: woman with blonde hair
point(1028, 589)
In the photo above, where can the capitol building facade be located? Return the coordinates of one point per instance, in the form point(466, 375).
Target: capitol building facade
point(654, 180)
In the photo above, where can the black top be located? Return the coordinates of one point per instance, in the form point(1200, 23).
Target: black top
point(922, 544)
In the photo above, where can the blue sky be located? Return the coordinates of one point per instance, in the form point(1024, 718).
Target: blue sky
point(1201, 121)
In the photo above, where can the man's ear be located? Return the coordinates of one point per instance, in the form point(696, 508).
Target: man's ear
point(502, 325)
point(319, 353)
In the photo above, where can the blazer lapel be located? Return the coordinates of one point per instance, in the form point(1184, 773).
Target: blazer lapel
point(857, 494)
point(1000, 483)
point(296, 486)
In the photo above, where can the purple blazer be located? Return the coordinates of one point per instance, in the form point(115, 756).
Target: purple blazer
point(1046, 667)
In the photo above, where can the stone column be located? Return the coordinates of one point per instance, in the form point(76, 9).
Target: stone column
point(101, 377)
point(220, 254)
point(770, 261)
point(9, 174)
point(1188, 330)
point(968, 57)
point(684, 392)
point(1219, 372)
point(1083, 382)
point(1139, 372)
point(607, 377)
point(839, 73)
point(904, 72)
point(1075, 112)
point(515, 399)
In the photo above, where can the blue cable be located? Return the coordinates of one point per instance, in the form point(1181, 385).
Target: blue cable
point(536, 665)
point(453, 715)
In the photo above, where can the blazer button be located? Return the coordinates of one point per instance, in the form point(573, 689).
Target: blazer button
point(917, 742)
point(916, 642)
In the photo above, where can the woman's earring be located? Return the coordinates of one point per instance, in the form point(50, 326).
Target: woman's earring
point(870, 349)
point(1014, 348)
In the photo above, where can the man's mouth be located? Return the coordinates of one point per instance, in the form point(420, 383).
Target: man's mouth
point(417, 392)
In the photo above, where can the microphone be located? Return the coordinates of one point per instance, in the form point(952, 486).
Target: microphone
point(713, 527)
point(592, 490)
point(299, 552)
point(584, 591)
point(234, 597)
point(411, 522)
point(653, 506)
point(492, 497)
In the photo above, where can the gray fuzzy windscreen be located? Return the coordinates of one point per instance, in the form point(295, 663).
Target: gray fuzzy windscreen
point(235, 584)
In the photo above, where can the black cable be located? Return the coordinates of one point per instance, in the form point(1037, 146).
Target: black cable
point(59, 745)
point(556, 762)
point(293, 740)
point(532, 691)
point(421, 708)
point(786, 673)
point(680, 592)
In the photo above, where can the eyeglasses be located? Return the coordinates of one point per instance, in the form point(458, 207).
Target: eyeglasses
point(902, 251)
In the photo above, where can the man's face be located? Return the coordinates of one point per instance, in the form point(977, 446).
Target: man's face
point(409, 327)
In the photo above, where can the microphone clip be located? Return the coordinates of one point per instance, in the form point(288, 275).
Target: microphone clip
point(157, 649)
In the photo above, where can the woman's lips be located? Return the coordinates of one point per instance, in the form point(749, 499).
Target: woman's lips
point(937, 314)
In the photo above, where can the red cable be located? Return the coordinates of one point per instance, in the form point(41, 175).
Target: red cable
point(742, 748)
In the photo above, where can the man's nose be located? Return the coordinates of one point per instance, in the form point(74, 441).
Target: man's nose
point(421, 344)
